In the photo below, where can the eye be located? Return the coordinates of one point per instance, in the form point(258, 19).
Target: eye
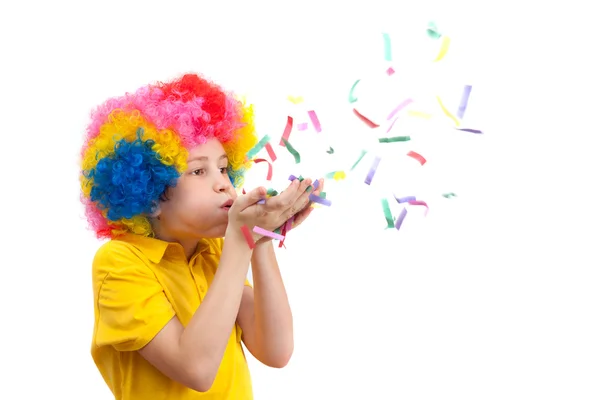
point(224, 170)
point(199, 171)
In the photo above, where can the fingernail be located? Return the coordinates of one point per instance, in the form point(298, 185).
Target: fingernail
point(309, 188)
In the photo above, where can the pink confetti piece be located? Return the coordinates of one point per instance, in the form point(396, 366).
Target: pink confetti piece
point(302, 126)
point(400, 219)
point(315, 120)
point(272, 154)
point(270, 171)
point(371, 173)
point(364, 119)
point(419, 203)
point(318, 199)
point(287, 131)
point(390, 71)
point(417, 157)
point(267, 233)
point(398, 108)
point(391, 125)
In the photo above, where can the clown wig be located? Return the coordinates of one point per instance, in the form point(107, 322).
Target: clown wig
point(136, 146)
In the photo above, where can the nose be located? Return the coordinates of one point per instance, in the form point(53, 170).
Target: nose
point(222, 183)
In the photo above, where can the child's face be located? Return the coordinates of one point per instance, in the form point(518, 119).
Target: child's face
point(197, 205)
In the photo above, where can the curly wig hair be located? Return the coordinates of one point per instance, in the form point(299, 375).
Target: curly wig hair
point(136, 146)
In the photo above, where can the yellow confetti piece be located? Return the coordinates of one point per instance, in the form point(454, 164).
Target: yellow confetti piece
point(418, 114)
point(295, 99)
point(443, 49)
point(448, 113)
point(339, 175)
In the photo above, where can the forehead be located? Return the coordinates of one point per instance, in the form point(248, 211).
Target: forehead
point(212, 149)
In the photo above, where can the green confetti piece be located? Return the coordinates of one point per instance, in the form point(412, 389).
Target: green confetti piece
point(258, 147)
point(432, 31)
point(362, 154)
point(291, 150)
point(330, 151)
point(322, 195)
point(277, 231)
point(272, 192)
point(351, 98)
point(448, 195)
point(300, 178)
point(394, 139)
point(330, 175)
point(387, 47)
point(388, 213)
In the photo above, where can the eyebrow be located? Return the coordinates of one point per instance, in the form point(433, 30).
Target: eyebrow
point(204, 158)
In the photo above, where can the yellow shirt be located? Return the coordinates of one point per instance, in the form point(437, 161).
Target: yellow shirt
point(140, 283)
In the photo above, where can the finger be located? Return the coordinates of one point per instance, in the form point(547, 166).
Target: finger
point(303, 201)
point(246, 200)
point(286, 199)
point(301, 216)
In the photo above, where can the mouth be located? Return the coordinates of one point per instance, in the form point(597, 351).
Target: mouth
point(227, 204)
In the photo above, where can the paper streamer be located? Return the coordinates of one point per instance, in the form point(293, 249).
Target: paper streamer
point(417, 157)
point(362, 154)
point(364, 119)
point(315, 120)
point(464, 101)
point(400, 218)
point(443, 49)
point(351, 98)
point(371, 173)
point(469, 130)
point(258, 147)
point(387, 213)
point(405, 199)
point(287, 131)
point(394, 139)
point(267, 233)
point(399, 107)
point(248, 236)
point(448, 113)
point(270, 171)
point(387, 47)
point(291, 149)
point(270, 151)
point(419, 203)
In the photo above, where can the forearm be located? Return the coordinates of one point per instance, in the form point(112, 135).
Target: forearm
point(273, 323)
point(205, 338)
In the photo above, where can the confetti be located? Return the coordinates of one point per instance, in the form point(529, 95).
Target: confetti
point(400, 218)
point(432, 31)
point(330, 151)
point(387, 213)
point(371, 173)
point(469, 130)
point(258, 147)
point(272, 154)
point(405, 199)
point(387, 47)
point(302, 126)
point(315, 120)
point(394, 139)
point(448, 195)
point(464, 101)
point(362, 154)
point(295, 100)
point(448, 113)
point(417, 157)
point(400, 106)
point(443, 49)
point(270, 171)
point(318, 199)
point(287, 131)
point(419, 203)
point(391, 125)
point(418, 114)
point(364, 119)
point(390, 71)
point(248, 236)
point(351, 98)
point(267, 233)
point(292, 150)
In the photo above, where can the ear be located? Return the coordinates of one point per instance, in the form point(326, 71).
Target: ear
point(156, 212)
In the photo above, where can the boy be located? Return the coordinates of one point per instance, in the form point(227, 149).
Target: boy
point(171, 299)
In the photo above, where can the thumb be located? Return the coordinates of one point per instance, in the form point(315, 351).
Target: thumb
point(250, 198)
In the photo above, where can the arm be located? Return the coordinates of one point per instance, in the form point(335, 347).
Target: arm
point(265, 316)
point(192, 355)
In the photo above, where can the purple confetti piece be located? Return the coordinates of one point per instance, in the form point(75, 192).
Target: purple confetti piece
point(319, 199)
point(369, 177)
point(464, 101)
point(405, 199)
point(469, 130)
point(315, 185)
point(263, 201)
point(399, 107)
point(400, 218)
point(292, 178)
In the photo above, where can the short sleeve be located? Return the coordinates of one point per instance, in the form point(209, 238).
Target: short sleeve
point(131, 307)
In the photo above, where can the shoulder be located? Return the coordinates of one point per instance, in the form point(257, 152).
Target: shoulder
point(116, 256)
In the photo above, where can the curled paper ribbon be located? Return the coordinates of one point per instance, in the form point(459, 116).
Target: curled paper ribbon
point(417, 157)
point(258, 147)
point(292, 151)
point(288, 129)
point(270, 171)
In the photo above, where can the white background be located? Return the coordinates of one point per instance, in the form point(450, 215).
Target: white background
point(493, 295)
